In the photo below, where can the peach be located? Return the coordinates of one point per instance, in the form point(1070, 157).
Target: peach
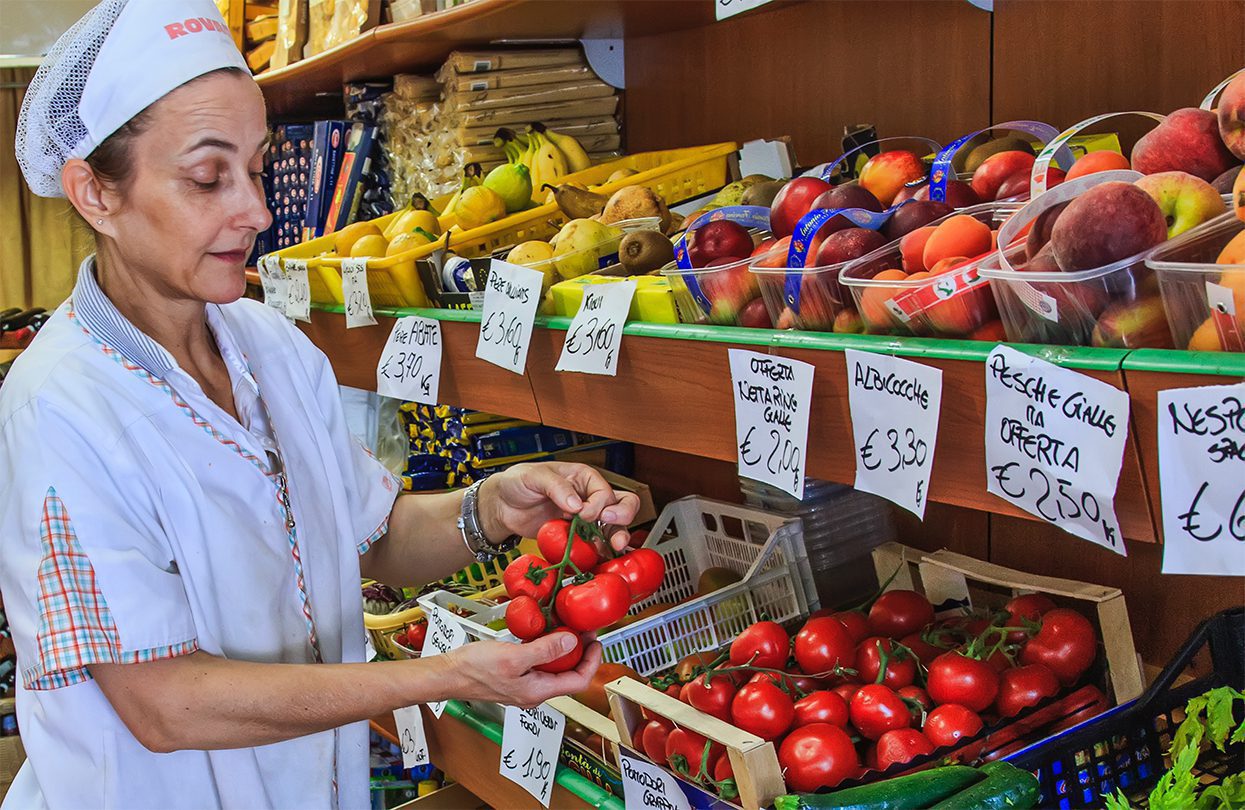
point(1233, 253)
point(1238, 196)
point(1205, 338)
point(912, 247)
point(1107, 223)
point(1187, 140)
point(1101, 161)
point(887, 172)
point(873, 300)
point(1232, 116)
point(947, 264)
point(959, 236)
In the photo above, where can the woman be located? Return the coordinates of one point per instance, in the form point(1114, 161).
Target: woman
point(183, 515)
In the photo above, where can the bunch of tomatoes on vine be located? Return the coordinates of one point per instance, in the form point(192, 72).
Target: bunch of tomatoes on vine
point(871, 687)
point(570, 586)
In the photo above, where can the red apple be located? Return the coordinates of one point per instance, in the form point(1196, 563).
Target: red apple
point(1187, 140)
point(959, 193)
point(729, 289)
point(851, 195)
point(887, 172)
point(755, 315)
point(1018, 184)
point(716, 239)
point(1106, 223)
point(793, 202)
point(839, 247)
point(1232, 116)
point(907, 218)
point(775, 255)
point(1185, 200)
point(998, 168)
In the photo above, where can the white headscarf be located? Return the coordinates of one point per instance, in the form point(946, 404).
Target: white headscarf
point(122, 56)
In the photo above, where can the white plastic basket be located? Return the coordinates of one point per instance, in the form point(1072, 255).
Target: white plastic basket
point(694, 534)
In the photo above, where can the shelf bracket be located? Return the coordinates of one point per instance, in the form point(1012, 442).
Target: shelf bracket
point(605, 57)
point(984, 5)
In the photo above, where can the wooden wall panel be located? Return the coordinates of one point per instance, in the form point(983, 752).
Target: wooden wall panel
point(672, 475)
point(1061, 61)
point(917, 67)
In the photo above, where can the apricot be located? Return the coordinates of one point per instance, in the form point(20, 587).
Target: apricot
point(991, 331)
point(1101, 161)
point(1205, 338)
point(873, 300)
point(912, 246)
point(1233, 253)
point(947, 264)
point(959, 236)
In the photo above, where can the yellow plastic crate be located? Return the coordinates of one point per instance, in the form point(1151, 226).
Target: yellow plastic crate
point(675, 174)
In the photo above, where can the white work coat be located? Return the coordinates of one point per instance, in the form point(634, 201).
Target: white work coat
point(139, 521)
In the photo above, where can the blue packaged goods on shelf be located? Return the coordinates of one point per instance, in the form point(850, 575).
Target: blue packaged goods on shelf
point(326, 155)
point(517, 441)
point(355, 163)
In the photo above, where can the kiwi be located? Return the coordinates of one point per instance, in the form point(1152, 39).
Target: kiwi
point(645, 251)
point(763, 193)
point(1009, 144)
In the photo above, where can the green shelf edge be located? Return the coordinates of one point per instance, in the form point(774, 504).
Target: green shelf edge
point(576, 784)
point(1173, 361)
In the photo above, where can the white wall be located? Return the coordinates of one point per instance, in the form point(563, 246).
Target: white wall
point(30, 27)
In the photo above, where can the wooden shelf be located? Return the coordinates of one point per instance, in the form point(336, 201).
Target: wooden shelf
point(670, 393)
point(423, 43)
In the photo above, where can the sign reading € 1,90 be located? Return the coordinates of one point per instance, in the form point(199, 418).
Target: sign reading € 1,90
point(530, 741)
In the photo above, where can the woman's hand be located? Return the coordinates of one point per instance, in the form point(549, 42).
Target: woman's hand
point(522, 498)
point(501, 672)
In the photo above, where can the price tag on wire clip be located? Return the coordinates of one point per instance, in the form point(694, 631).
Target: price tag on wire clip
point(272, 279)
point(411, 736)
point(444, 634)
point(355, 293)
point(530, 741)
point(298, 290)
point(511, 297)
point(594, 338)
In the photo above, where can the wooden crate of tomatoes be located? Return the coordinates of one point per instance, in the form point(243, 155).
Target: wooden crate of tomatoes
point(952, 660)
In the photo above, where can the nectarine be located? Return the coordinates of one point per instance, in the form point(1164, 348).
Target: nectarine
point(960, 235)
point(912, 248)
point(1103, 160)
point(873, 300)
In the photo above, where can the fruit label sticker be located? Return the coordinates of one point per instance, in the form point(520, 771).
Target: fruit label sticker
point(273, 280)
point(410, 725)
point(595, 334)
point(511, 296)
point(355, 293)
point(298, 291)
point(895, 405)
point(1202, 479)
point(729, 8)
point(646, 785)
point(1055, 444)
point(773, 397)
point(410, 363)
point(444, 634)
point(530, 741)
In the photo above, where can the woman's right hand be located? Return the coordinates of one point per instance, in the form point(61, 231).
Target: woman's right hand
point(502, 672)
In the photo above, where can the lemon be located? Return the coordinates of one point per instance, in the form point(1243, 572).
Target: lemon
point(345, 239)
point(530, 254)
point(371, 245)
point(409, 220)
point(479, 206)
point(408, 240)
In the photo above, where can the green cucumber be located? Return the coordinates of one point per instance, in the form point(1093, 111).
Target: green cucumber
point(1006, 787)
point(911, 792)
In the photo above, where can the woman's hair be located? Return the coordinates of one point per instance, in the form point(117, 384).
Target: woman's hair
point(112, 160)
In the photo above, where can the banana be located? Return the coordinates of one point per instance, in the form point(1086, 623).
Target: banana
point(548, 162)
point(576, 158)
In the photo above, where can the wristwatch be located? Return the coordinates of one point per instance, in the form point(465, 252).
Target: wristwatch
point(473, 532)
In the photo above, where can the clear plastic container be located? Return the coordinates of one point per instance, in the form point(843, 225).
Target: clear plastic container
point(805, 298)
point(590, 259)
point(1202, 282)
point(956, 303)
point(726, 295)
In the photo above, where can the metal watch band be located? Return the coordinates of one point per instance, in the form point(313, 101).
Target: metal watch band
point(473, 533)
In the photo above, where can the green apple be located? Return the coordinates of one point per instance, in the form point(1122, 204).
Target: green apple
point(1185, 200)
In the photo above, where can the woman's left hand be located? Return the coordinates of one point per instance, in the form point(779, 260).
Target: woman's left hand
point(521, 499)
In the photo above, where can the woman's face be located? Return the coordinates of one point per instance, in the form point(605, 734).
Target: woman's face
point(189, 214)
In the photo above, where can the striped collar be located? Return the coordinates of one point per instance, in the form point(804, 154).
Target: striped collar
point(103, 320)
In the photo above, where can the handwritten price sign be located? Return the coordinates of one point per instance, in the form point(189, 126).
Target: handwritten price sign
point(298, 290)
point(594, 337)
point(410, 724)
point(1055, 444)
point(355, 292)
point(1202, 479)
point(410, 363)
point(272, 278)
point(895, 405)
point(444, 634)
point(511, 296)
point(530, 740)
point(773, 396)
point(646, 785)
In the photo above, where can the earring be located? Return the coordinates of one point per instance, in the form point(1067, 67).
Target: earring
point(99, 222)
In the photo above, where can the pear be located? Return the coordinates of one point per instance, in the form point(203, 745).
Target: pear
point(634, 202)
point(580, 244)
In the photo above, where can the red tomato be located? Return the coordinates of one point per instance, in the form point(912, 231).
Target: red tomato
point(822, 644)
point(762, 709)
point(524, 618)
point(900, 668)
point(953, 678)
point(637, 538)
point(876, 709)
point(950, 722)
point(897, 613)
point(713, 698)
point(1028, 607)
point(652, 738)
point(722, 769)
point(551, 540)
point(925, 652)
point(915, 695)
point(566, 662)
point(1022, 687)
point(525, 577)
point(400, 638)
point(594, 604)
point(847, 690)
point(691, 748)
point(901, 745)
point(652, 568)
point(416, 632)
point(1066, 644)
point(821, 707)
point(763, 644)
point(856, 623)
point(817, 756)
